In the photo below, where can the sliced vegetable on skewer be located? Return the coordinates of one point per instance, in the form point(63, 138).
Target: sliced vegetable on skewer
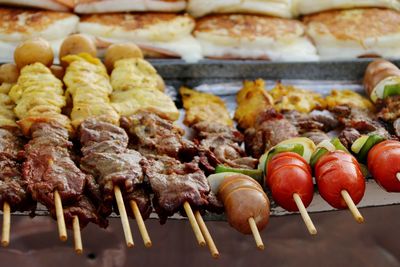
point(339, 178)
point(289, 176)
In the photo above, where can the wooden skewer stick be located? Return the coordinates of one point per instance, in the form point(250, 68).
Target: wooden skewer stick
point(193, 223)
point(124, 217)
point(5, 235)
point(256, 233)
point(304, 214)
point(352, 207)
point(77, 235)
point(141, 225)
point(62, 230)
point(209, 240)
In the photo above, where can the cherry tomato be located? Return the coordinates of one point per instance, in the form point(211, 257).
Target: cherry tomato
point(288, 173)
point(384, 165)
point(337, 171)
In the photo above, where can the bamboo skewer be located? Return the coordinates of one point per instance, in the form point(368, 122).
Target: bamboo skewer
point(352, 207)
point(209, 240)
point(256, 233)
point(193, 223)
point(141, 225)
point(124, 217)
point(5, 235)
point(62, 230)
point(77, 235)
point(304, 214)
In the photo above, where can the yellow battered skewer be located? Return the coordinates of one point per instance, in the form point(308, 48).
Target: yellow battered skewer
point(73, 45)
point(8, 74)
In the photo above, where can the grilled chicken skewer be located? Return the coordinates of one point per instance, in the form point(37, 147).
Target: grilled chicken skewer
point(13, 189)
point(49, 170)
point(89, 88)
point(138, 97)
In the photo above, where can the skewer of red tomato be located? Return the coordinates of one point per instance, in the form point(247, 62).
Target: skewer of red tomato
point(289, 177)
point(382, 158)
point(339, 178)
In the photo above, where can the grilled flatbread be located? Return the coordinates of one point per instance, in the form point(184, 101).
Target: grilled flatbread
point(17, 25)
point(157, 34)
point(107, 6)
point(253, 37)
point(278, 8)
point(56, 5)
point(312, 6)
point(347, 34)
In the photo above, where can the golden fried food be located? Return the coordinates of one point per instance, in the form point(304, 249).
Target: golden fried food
point(252, 99)
point(76, 44)
point(204, 107)
point(8, 73)
point(134, 73)
point(7, 116)
point(152, 100)
point(121, 51)
point(32, 51)
point(39, 96)
point(349, 98)
point(89, 87)
point(292, 98)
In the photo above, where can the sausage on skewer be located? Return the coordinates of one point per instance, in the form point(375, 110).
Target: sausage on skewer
point(246, 205)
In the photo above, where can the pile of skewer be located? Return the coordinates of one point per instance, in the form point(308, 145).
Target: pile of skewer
point(98, 105)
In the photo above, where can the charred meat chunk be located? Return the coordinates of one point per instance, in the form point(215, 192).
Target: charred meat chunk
point(49, 167)
point(152, 135)
point(270, 129)
point(322, 120)
point(107, 158)
point(223, 142)
point(173, 183)
point(362, 120)
point(86, 212)
point(316, 136)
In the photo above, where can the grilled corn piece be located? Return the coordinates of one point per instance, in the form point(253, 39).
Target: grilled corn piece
point(204, 107)
point(292, 98)
point(251, 100)
point(89, 87)
point(38, 96)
